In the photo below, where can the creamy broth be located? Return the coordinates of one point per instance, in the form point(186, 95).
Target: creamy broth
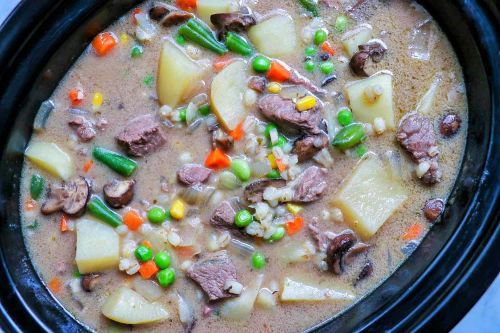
point(127, 93)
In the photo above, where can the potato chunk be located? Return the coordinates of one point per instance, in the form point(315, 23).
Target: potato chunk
point(372, 98)
point(296, 291)
point(177, 75)
point(275, 36)
point(358, 36)
point(128, 307)
point(49, 157)
point(241, 307)
point(206, 8)
point(226, 94)
point(97, 246)
point(370, 196)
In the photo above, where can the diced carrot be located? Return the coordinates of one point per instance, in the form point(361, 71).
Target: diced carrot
point(281, 166)
point(292, 227)
point(63, 223)
point(136, 11)
point(413, 232)
point(221, 62)
point(278, 72)
point(186, 4)
point(29, 205)
point(217, 159)
point(88, 165)
point(148, 269)
point(104, 42)
point(327, 47)
point(132, 220)
point(76, 96)
point(147, 244)
point(238, 132)
point(55, 285)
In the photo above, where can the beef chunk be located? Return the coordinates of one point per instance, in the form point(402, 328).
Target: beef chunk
point(433, 208)
point(298, 79)
point(223, 216)
point(190, 174)
point(307, 146)
point(337, 248)
point(322, 238)
point(254, 191)
point(283, 112)
point(238, 22)
point(257, 83)
point(416, 134)
point(70, 197)
point(309, 185)
point(84, 128)
point(119, 193)
point(450, 124)
point(222, 140)
point(212, 272)
point(141, 136)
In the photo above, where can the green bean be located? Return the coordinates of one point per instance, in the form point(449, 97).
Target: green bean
point(311, 6)
point(119, 163)
point(98, 208)
point(238, 44)
point(36, 186)
point(349, 136)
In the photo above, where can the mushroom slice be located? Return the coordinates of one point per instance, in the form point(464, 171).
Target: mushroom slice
point(374, 50)
point(119, 193)
point(338, 247)
point(70, 197)
point(90, 281)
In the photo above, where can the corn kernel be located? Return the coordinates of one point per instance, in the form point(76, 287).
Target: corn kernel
point(97, 100)
point(272, 161)
point(305, 103)
point(177, 210)
point(294, 209)
point(274, 88)
point(124, 38)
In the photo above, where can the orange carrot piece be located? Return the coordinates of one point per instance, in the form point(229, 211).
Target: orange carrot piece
point(104, 42)
point(327, 47)
point(413, 232)
point(186, 4)
point(217, 159)
point(221, 62)
point(281, 166)
point(88, 165)
point(76, 96)
point(55, 285)
point(147, 244)
point(292, 227)
point(63, 223)
point(148, 269)
point(132, 220)
point(133, 19)
point(278, 72)
point(238, 132)
point(29, 205)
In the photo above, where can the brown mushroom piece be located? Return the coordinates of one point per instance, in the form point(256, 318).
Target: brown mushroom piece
point(119, 193)
point(90, 281)
point(450, 124)
point(337, 249)
point(167, 15)
point(372, 51)
point(237, 22)
point(70, 197)
point(366, 271)
point(433, 209)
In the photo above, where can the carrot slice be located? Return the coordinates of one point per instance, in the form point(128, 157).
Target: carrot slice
point(292, 227)
point(327, 47)
point(238, 132)
point(88, 165)
point(281, 166)
point(63, 223)
point(186, 4)
point(413, 232)
point(147, 244)
point(133, 19)
point(55, 285)
point(76, 96)
point(217, 159)
point(278, 72)
point(148, 269)
point(104, 42)
point(221, 62)
point(132, 220)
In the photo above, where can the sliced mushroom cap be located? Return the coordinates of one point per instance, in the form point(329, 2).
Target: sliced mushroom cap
point(70, 197)
point(119, 193)
point(238, 22)
point(366, 271)
point(90, 281)
point(373, 51)
point(337, 249)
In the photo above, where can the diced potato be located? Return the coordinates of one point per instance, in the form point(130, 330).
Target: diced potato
point(177, 75)
point(295, 253)
point(266, 299)
point(206, 8)
point(275, 36)
point(49, 157)
point(226, 94)
point(370, 196)
point(358, 36)
point(128, 307)
point(371, 98)
point(241, 307)
point(297, 291)
point(97, 246)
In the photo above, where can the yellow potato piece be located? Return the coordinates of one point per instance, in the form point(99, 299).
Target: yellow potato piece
point(51, 158)
point(365, 109)
point(358, 36)
point(275, 36)
point(128, 307)
point(97, 246)
point(297, 291)
point(206, 8)
point(370, 196)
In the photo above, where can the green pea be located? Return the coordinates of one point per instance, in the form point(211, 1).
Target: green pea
point(243, 218)
point(269, 128)
point(258, 260)
point(182, 115)
point(310, 51)
point(349, 136)
point(341, 23)
point(326, 67)
point(278, 234)
point(320, 36)
point(148, 80)
point(241, 169)
point(166, 277)
point(156, 215)
point(309, 65)
point(143, 253)
point(280, 143)
point(180, 39)
point(36, 186)
point(204, 110)
point(273, 174)
point(136, 51)
point(344, 117)
point(162, 260)
point(361, 150)
point(261, 64)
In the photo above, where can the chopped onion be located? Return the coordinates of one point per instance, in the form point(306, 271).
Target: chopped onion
point(191, 113)
point(293, 92)
point(43, 114)
point(211, 122)
point(324, 158)
point(147, 288)
point(261, 168)
point(273, 135)
point(425, 103)
point(242, 248)
point(186, 313)
point(229, 181)
point(195, 125)
point(233, 287)
point(197, 194)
